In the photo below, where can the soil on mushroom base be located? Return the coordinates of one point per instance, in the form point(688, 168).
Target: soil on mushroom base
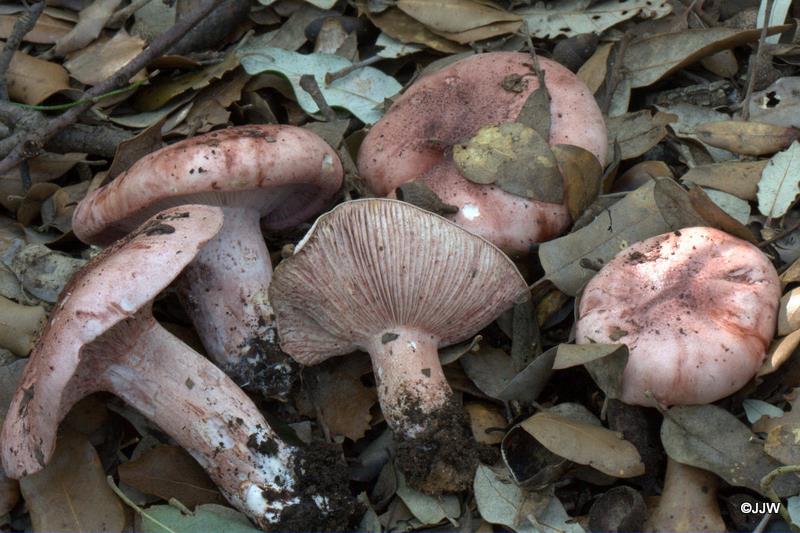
point(443, 460)
point(265, 369)
point(320, 470)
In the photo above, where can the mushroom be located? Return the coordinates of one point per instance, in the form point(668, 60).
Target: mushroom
point(414, 140)
point(697, 309)
point(281, 174)
point(398, 282)
point(102, 337)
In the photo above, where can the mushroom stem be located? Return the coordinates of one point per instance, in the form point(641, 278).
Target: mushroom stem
point(411, 383)
point(203, 410)
point(225, 290)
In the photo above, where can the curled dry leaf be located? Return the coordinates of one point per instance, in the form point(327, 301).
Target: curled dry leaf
point(748, 138)
point(438, 15)
point(585, 444)
point(593, 72)
point(789, 312)
point(639, 174)
point(169, 472)
point(688, 502)
point(90, 23)
point(604, 362)
point(32, 80)
point(780, 182)
point(47, 29)
point(636, 132)
point(780, 350)
point(71, 493)
point(649, 59)
point(501, 501)
point(103, 58)
point(516, 158)
point(45, 167)
point(711, 438)
point(620, 509)
point(407, 29)
point(582, 174)
point(739, 178)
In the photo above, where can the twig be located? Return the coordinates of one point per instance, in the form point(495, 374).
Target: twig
point(766, 487)
point(330, 77)
point(24, 24)
point(753, 66)
point(25, 176)
point(30, 141)
point(310, 85)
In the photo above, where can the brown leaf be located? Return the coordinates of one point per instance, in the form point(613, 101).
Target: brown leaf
point(47, 29)
point(103, 58)
point(648, 60)
point(582, 174)
point(45, 167)
point(585, 444)
point(789, 312)
point(91, 21)
point(404, 28)
point(481, 33)
point(438, 15)
point(739, 178)
point(748, 138)
point(169, 472)
point(714, 216)
point(32, 80)
point(636, 132)
point(781, 443)
point(780, 350)
point(129, 151)
point(71, 493)
point(593, 72)
point(514, 157)
point(535, 112)
point(342, 401)
point(641, 173)
point(688, 502)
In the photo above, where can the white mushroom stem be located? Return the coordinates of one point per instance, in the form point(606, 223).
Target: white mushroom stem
point(201, 408)
point(225, 289)
point(410, 379)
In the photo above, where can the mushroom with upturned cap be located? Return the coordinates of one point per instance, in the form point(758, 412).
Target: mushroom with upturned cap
point(281, 174)
point(697, 309)
point(414, 141)
point(102, 337)
point(398, 282)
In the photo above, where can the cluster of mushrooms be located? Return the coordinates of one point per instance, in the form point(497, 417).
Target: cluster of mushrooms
point(377, 275)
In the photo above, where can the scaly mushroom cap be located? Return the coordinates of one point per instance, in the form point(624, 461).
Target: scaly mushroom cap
point(697, 309)
point(97, 298)
point(414, 139)
point(371, 265)
point(285, 173)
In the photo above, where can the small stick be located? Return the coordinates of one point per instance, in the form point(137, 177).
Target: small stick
point(330, 77)
point(310, 85)
point(24, 24)
point(30, 141)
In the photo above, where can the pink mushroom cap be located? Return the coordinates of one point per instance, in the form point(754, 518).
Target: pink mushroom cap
point(277, 175)
point(697, 309)
point(414, 140)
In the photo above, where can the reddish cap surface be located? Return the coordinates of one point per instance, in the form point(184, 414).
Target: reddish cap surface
point(414, 139)
point(111, 288)
point(284, 172)
point(697, 309)
point(370, 265)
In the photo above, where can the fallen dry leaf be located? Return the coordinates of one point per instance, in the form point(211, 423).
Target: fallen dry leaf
point(789, 312)
point(71, 493)
point(32, 80)
point(91, 21)
point(649, 59)
point(19, 325)
point(748, 138)
point(780, 350)
point(585, 444)
point(593, 72)
point(641, 173)
point(406, 29)
point(45, 167)
point(438, 15)
point(636, 132)
point(47, 29)
point(739, 178)
point(487, 422)
point(169, 472)
point(98, 61)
